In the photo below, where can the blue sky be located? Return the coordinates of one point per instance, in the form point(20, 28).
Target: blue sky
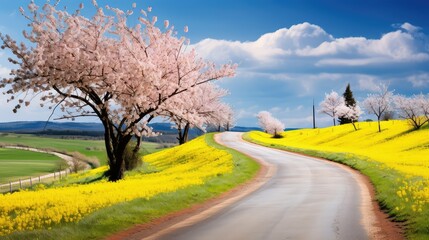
point(289, 52)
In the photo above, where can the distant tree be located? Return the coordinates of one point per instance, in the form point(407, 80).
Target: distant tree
point(379, 102)
point(270, 124)
point(423, 103)
point(222, 118)
point(412, 109)
point(350, 112)
point(230, 121)
point(199, 107)
point(388, 115)
point(349, 102)
point(330, 105)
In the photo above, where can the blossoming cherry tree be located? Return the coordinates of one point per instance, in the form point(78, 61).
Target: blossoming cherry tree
point(101, 66)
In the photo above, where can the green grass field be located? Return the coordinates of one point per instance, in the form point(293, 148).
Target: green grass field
point(15, 164)
point(90, 148)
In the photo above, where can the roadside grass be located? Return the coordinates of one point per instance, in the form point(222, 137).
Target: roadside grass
point(118, 217)
point(16, 164)
point(401, 183)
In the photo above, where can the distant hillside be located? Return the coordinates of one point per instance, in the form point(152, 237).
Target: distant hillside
point(42, 126)
point(245, 129)
point(68, 128)
point(168, 132)
point(38, 126)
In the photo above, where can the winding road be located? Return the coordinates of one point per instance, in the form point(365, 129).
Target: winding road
point(305, 198)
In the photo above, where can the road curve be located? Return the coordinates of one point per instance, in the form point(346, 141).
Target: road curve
point(306, 198)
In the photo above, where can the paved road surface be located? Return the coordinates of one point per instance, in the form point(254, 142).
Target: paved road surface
point(305, 199)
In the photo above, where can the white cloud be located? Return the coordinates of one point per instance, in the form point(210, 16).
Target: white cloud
point(310, 45)
point(246, 112)
point(367, 82)
point(419, 80)
point(409, 27)
point(392, 47)
point(4, 72)
point(269, 49)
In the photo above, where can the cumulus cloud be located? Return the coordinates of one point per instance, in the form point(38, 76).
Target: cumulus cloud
point(368, 83)
point(409, 27)
point(419, 80)
point(312, 45)
point(268, 49)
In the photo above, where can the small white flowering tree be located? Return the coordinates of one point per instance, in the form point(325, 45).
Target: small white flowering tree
point(230, 120)
point(223, 117)
point(350, 112)
point(415, 109)
point(270, 124)
point(423, 102)
point(331, 104)
point(379, 102)
point(198, 107)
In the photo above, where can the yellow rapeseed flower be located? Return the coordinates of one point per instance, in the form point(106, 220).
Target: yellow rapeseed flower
point(179, 167)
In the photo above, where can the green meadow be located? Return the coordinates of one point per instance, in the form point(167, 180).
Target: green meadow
point(15, 164)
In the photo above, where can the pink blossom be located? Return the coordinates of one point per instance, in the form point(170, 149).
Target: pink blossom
point(100, 66)
point(185, 29)
point(270, 124)
point(330, 105)
point(166, 23)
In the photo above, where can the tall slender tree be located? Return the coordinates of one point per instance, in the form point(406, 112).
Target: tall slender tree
point(350, 102)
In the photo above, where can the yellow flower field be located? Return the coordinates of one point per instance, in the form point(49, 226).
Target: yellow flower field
point(176, 168)
point(396, 147)
point(407, 153)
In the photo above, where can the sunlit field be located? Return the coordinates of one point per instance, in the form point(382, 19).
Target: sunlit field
point(397, 161)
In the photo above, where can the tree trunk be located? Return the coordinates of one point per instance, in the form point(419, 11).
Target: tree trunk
point(115, 143)
point(186, 132)
point(183, 135)
point(379, 128)
point(334, 121)
point(353, 123)
point(180, 137)
point(117, 167)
